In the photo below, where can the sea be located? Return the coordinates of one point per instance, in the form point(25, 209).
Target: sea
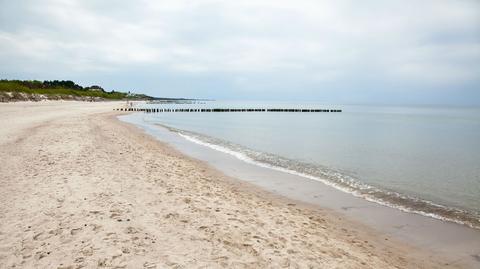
point(418, 159)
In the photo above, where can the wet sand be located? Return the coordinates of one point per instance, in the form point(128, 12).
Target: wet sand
point(82, 189)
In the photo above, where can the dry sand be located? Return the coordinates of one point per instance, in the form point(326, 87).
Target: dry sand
point(80, 189)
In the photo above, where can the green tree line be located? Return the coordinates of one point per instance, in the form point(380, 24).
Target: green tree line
point(64, 88)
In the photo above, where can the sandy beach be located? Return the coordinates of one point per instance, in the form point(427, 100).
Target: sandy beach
point(81, 189)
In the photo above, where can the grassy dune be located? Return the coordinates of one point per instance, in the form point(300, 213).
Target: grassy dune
point(18, 89)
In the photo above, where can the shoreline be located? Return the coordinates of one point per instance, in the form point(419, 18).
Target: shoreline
point(80, 188)
point(459, 243)
point(388, 198)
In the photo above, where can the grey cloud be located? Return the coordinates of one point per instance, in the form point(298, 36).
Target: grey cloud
point(258, 47)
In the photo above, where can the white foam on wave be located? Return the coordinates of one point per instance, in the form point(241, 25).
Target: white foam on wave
point(243, 157)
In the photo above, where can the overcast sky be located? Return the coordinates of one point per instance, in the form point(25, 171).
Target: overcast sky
point(419, 52)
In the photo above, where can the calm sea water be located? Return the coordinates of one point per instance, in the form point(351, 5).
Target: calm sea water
point(420, 159)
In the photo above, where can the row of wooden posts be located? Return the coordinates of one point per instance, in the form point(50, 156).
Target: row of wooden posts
point(158, 110)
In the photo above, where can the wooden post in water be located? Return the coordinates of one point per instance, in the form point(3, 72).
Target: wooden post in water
point(159, 110)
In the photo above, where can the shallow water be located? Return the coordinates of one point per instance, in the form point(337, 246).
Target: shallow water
point(418, 159)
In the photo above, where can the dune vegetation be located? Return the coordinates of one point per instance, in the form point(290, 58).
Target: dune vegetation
point(14, 90)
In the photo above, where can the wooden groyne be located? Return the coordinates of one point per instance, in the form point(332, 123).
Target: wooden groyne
point(161, 110)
